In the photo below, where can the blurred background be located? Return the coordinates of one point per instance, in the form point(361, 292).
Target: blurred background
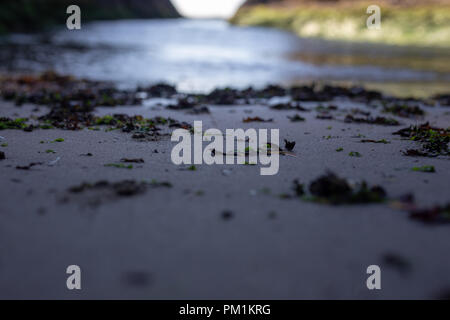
point(202, 44)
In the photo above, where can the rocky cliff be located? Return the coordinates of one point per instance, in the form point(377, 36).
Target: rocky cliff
point(31, 15)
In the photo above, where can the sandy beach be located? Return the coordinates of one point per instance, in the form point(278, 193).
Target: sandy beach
point(219, 231)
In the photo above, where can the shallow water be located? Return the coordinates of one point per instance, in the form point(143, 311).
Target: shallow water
point(198, 55)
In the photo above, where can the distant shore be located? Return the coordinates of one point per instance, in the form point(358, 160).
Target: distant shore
point(424, 24)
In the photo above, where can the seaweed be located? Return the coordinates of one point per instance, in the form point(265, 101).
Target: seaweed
point(256, 119)
point(331, 189)
point(296, 118)
point(404, 111)
point(424, 169)
point(384, 141)
point(125, 188)
point(119, 165)
point(140, 160)
point(7, 123)
point(434, 140)
point(355, 154)
point(369, 120)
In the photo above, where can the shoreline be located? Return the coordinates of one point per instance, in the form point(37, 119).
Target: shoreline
point(347, 22)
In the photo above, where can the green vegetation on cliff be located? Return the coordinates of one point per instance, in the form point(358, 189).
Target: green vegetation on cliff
point(32, 15)
point(417, 23)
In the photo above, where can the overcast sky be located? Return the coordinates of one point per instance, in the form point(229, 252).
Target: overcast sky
point(207, 8)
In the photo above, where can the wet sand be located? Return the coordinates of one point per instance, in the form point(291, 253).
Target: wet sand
point(175, 243)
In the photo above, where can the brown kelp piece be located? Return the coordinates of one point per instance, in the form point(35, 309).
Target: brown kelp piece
point(434, 215)
point(256, 119)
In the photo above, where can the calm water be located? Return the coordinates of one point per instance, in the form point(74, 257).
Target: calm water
point(198, 55)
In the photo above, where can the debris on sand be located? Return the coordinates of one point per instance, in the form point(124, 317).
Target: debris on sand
point(397, 262)
point(442, 99)
point(54, 162)
point(378, 120)
point(183, 104)
point(125, 188)
point(434, 140)
point(384, 141)
point(144, 129)
point(424, 169)
point(140, 160)
point(435, 215)
point(289, 106)
point(227, 215)
point(161, 90)
point(414, 153)
point(355, 154)
point(331, 189)
point(329, 108)
point(324, 116)
point(256, 119)
point(299, 188)
point(73, 101)
point(2, 155)
point(119, 165)
point(404, 110)
point(289, 145)
point(199, 110)
point(51, 88)
point(137, 278)
point(28, 167)
point(296, 118)
point(8, 123)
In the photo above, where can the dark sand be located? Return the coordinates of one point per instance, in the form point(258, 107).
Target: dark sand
point(174, 243)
